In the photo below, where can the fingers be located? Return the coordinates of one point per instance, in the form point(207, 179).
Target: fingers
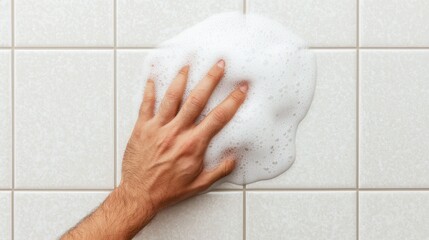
point(223, 113)
point(208, 177)
point(199, 96)
point(148, 104)
point(171, 101)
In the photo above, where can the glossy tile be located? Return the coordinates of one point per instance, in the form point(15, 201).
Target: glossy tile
point(394, 215)
point(5, 23)
point(63, 23)
point(301, 215)
point(209, 216)
point(6, 215)
point(147, 23)
point(394, 23)
point(64, 119)
point(5, 120)
point(326, 138)
point(321, 23)
point(48, 215)
point(394, 119)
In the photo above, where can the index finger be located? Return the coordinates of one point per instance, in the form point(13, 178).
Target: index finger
point(223, 113)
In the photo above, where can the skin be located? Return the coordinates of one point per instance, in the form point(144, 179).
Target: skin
point(163, 161)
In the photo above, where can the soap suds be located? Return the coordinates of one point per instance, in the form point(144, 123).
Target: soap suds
point(281, 74)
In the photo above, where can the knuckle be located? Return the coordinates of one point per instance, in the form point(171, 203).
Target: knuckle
point(149, 97)
point(237, 97)
point(196, 101)
point(172, 95)
point(189, 146)
point(220, 115)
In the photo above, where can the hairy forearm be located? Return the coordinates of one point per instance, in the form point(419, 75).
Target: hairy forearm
point(120, 216)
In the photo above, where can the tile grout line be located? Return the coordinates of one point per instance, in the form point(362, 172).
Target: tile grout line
point(13, 117)
point(154, 47)
point(115, 107)
point(357, 115)
point(277, 190)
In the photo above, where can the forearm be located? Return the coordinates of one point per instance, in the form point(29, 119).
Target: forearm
point(120, 216)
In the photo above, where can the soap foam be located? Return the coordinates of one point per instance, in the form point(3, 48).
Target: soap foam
point(280, 71)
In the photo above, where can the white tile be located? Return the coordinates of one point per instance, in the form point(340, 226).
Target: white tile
point(209, 216)
point(63, 23)
point(147, 22)
point(394, 23)
point(393, 215)
point(5, 216)
point(5, 23)
point(5, 120)
point(64, 119)
point(130, 87)
point(394, 118)
point(320, 22)
point(48, 215)
point(301, 215)
point(326, 138)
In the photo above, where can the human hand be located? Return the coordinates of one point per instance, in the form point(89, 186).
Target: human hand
point(163, 161)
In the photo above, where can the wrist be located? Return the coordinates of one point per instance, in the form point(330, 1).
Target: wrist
point(128, 213)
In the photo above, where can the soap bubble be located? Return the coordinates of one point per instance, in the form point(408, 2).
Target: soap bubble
point(280, 71)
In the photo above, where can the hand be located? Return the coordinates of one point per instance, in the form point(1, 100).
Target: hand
point(163, 161)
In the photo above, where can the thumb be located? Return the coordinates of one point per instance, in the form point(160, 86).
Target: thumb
point(208, 177)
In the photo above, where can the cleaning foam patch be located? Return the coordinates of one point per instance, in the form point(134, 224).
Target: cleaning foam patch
point(280, 71)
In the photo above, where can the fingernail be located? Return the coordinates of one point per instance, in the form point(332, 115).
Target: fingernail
point(244, 87)
point(221, 64)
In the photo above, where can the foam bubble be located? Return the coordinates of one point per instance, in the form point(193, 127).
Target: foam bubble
point(281, 74)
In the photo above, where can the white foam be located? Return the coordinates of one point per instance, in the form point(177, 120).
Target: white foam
point(281, 75)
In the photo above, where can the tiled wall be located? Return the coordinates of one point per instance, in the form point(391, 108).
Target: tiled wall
point(68, 71)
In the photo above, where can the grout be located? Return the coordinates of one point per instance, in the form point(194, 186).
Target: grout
point(115, 93)
point(278, 190)
point(244, 6)
point(357, 115)
point(244, 212)
point(13, 117)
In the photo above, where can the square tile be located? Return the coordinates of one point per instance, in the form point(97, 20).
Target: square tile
point(393, 215)
point(5, 120)
point(64, 102)
point(130, 86)
point(301, 215)
point(394, 119)
point(326, 138)
point(147, 22)
point(48, 215)
point(394, 23)
point(322, 23)
point(63, 23)
point(5, 23)
point(6, 215)
point(208, 216)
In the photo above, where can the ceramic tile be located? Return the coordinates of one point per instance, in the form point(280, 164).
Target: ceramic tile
point(130, 87)
point(320, 22)
point(394, 23)
point(393, 215)
point(63, 23)
point(5, 23)
point(5, 120)
point(326, 138)
point(394, 118)
point(209, 216)
point(64, 119)
point(147, 23)
point(5, 216)
point(301, 215)
point(48, 215)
